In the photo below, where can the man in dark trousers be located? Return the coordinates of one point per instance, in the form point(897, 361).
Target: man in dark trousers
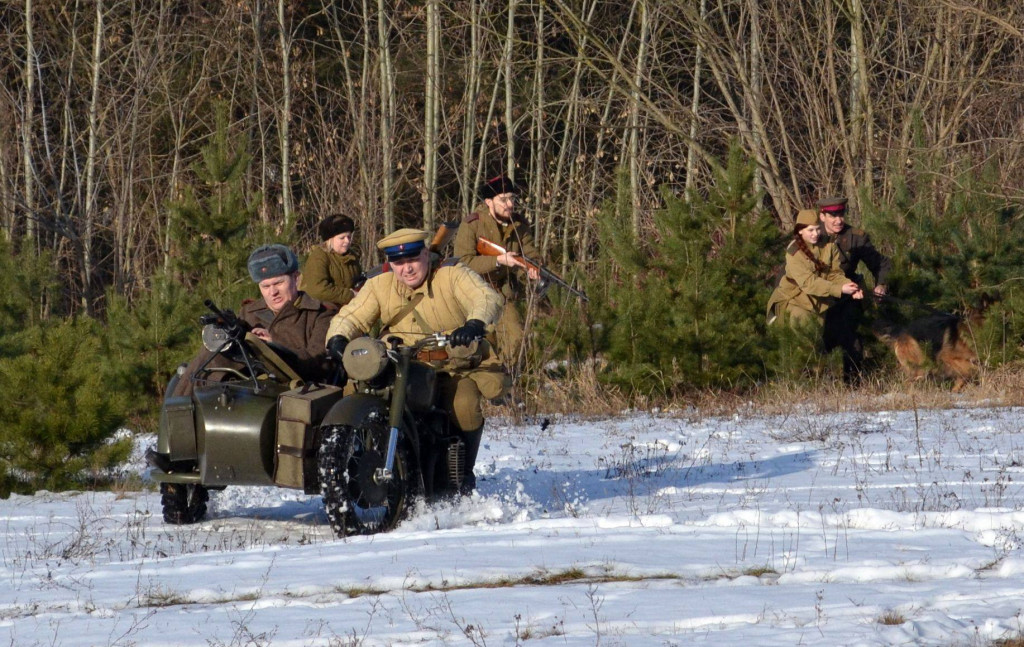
point(843, 319)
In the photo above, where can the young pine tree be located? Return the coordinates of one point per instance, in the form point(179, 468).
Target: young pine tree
point(31, 282)
point(149, 338)
point(684, 304)
point(60, 411)
point(960, 249)
point(211, 221)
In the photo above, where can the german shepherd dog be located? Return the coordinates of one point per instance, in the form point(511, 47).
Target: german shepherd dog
point(934, 344)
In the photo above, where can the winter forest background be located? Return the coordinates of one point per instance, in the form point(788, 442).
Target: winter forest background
point(147, 147)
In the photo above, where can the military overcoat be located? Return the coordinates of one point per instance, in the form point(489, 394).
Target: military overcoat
point(301, 327)
point(329, 277)
point(804, 291)
point(450, 296)
point(514, 236)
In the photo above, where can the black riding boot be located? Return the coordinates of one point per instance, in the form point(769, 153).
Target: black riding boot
point(472, 441)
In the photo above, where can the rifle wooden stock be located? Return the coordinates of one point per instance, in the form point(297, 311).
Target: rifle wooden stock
point(443, 236)
point(486, 247)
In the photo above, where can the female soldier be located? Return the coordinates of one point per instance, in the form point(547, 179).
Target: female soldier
point(813, 279)
point(333, 267)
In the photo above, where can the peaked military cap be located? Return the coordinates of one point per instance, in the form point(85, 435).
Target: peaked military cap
point(497, 186)
point(403, 243)
point(268, 261)
point(331, 226)
point(836, 205)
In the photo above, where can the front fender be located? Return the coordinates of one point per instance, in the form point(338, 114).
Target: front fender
point(353, 409)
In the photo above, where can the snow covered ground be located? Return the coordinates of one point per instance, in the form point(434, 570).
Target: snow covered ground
point(885, 528)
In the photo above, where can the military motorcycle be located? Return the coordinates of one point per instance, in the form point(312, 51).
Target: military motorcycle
point(368, 448)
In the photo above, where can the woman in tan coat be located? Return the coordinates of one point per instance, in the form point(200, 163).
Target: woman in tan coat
point(332, 268)
point(813, 279)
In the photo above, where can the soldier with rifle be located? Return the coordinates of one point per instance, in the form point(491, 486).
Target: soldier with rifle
point(496, 220)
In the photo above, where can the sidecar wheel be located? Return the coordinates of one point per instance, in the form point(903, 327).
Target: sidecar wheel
point(183, 504)
point(356, 500)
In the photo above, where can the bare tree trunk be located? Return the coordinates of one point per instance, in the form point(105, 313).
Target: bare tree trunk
point(387, 117)
point(862, 131)
point(510, 127)
point(487, 124)
point(474, 60)
point(691, 152)
point(89, 206)
point(754, 104)
point(28, 171)
point(6, 195)
point(285, 115)
point(538, 148)
point(431, 113)
point(633, 136)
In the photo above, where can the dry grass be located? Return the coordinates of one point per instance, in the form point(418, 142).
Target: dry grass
point(580, 392)
point(891, 618)
point(1009, 642)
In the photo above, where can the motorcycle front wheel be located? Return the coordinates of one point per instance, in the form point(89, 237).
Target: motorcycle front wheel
point(359, 498)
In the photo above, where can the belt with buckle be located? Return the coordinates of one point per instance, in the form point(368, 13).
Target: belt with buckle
point(432, 355)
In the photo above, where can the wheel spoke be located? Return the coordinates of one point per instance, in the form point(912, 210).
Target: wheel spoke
point(349, 460)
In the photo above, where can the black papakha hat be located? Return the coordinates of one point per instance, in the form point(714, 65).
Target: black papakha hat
point(268, 261)
point(497, 186)
point(331, 226)
point(833, 205)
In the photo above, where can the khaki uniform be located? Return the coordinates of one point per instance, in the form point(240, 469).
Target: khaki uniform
point(300, 326)
point(509, 281)
point(451, 295)
point(329, 277)
point(804, 292)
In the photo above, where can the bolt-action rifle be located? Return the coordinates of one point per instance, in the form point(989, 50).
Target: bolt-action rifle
point(444, 234)
point(547, 277)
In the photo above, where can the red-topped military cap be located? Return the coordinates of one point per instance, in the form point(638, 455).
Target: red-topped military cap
point(835, 206)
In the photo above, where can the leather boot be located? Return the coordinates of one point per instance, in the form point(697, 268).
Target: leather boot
point(472, 441)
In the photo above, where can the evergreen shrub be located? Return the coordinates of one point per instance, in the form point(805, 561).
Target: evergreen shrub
point(60, 410)
point(957, 244)
point(682, 304)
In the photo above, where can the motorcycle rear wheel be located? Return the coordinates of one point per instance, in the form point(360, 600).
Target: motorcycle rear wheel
point(357, 500)
point(183, 503)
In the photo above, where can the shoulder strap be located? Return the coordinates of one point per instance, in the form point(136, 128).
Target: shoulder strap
point(406, 309)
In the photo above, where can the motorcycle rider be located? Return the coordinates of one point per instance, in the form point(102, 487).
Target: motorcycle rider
point(284, 316)
point(418, 298)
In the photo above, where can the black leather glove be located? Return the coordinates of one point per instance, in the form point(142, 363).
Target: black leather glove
point(467, 333)
point(336, 347)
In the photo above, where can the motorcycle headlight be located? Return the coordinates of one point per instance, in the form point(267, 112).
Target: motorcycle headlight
point(365, 358)
point(214, 338)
